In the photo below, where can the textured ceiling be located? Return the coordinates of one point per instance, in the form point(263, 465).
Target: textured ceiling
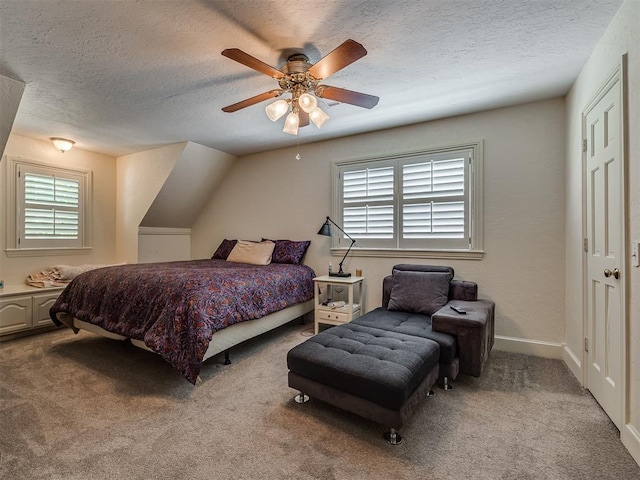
point(120, 76)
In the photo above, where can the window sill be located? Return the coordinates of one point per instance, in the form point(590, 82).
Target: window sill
point(410, 253)
point(45, 252)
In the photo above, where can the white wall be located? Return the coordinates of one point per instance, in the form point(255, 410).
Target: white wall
point(164, 188)
point(14, 270)
point(140, 177)
point(622, 35)
point(163, 244)
point(275, 196)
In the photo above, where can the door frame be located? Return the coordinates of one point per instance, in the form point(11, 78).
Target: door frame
point(619, 73)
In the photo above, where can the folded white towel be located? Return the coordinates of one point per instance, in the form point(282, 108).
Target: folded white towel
point(60, 275)
point(69, 272)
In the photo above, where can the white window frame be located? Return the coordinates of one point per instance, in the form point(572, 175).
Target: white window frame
point(472, 247)
point(16, 169)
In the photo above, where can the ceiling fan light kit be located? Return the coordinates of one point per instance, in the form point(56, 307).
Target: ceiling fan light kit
point(300, 79)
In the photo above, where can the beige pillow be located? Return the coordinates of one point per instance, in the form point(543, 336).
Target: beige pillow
point(253, 253)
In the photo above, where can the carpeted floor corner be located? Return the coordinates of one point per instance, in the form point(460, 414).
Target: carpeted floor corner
point(84, 407)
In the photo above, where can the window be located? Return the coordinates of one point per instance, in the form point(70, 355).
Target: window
point(412, 204)
point(48, 208)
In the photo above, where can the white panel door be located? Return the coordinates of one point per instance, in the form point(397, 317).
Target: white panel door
point(605, 288)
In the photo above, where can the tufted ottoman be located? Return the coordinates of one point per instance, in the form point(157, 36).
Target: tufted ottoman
point(377, 374)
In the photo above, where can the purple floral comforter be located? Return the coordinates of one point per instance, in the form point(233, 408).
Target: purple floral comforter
point(176, 307)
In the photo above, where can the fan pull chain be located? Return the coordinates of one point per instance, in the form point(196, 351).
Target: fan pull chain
point(298, 157)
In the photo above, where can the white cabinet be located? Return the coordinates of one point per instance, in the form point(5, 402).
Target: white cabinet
point(24, 308)
point(40, 308)
point(15, 314)
point(324, 314)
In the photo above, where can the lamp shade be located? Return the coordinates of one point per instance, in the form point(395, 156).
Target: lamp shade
point(291, 124)
point(326, 229)
point(62, 144)
point(318, 117)
point(276, 109)
point(307, 102)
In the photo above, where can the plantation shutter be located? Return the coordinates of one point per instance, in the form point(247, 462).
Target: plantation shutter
point(368, 209)
point(419, 201)
point(50, 207)
point(434, 202)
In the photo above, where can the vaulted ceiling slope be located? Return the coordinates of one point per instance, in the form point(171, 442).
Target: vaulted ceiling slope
point(197, 172)
point(10, 95)
point(121, 76)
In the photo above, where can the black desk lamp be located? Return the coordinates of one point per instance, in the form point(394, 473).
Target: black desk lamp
point(327, 231)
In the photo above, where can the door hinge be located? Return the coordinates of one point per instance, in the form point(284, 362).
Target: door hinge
point(584, 144)
point(586, 344)
point(585, 244)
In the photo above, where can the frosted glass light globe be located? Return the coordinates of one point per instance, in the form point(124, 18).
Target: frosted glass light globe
point(276, 109)
point(291, 124)
point(307, 102)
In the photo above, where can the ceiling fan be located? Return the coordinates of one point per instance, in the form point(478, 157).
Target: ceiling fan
point(301, 79)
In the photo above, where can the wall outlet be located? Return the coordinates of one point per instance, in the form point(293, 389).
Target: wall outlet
point(635, 253)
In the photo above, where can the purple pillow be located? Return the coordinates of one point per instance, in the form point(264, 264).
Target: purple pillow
point(224, 249)
point(419, 292)
point(288, 251)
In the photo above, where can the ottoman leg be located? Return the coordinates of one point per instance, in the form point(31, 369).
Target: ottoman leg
point(392, 437)
point(446, 385)
point(301, 398)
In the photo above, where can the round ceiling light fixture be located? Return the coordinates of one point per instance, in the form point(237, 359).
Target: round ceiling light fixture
point(62, 144)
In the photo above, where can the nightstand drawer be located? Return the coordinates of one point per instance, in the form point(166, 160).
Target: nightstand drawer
point(332, 316)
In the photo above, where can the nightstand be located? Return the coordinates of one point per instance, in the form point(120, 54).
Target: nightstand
point(337, 316)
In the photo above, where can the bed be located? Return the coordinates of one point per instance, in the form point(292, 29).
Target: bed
point(185, 311)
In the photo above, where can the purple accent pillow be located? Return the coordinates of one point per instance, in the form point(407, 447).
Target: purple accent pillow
point(224, 249)
point(419, 292)
point(288, 251)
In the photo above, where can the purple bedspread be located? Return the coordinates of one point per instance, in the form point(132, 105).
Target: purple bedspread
point(176, 307)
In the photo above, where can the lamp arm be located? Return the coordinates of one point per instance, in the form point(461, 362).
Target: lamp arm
point(345, 255)
point(349, 249)
point(338, 227)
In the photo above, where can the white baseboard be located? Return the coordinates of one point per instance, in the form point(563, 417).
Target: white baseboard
point(574, 363)
point(537, 348)
point(631, 440)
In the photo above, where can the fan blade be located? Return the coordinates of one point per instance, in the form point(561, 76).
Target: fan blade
point(252, 101)
point(347, 96)
point(303, 118)
point(344, 55)
point(252, 62)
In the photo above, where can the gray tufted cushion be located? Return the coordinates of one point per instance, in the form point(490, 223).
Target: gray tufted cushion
point(419, 292)
point(411, 324)
point(381, 366)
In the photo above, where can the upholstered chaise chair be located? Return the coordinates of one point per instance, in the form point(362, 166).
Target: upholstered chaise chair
point(382, 364)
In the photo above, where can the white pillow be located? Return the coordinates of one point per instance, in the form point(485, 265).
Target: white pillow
point(253, 253)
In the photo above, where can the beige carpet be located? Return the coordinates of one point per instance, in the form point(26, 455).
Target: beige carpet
point(84, 407)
